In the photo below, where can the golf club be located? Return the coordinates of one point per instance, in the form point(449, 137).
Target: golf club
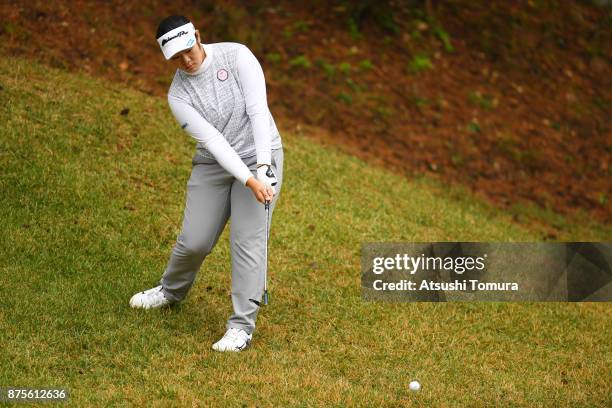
point(265, 295)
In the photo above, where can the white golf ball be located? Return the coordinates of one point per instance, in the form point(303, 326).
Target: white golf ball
point(414, 386)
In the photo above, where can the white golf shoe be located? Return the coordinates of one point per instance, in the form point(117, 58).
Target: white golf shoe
point(233, 340)
point(149, 299)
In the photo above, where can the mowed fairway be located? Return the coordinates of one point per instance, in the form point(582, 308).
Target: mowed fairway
point(91, 202)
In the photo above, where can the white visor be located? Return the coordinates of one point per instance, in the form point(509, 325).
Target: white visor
point(177, 40)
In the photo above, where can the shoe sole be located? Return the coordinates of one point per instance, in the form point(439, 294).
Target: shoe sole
point(133, 305)
point(244, 347)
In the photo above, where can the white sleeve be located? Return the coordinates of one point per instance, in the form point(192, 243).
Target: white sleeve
point(254, 87)
point(202, 131)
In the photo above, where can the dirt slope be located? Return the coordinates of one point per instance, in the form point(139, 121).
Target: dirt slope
point(510, 98)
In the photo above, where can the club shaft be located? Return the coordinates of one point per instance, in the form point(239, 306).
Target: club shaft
point(265, 299)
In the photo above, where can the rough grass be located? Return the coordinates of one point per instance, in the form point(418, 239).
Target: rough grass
point(91, 202)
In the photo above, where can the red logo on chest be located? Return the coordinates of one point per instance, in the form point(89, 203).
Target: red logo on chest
point(222, 75)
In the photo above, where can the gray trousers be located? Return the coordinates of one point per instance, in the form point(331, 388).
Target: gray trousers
point(213, 196)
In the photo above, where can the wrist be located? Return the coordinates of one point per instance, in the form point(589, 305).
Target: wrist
point(250, 181)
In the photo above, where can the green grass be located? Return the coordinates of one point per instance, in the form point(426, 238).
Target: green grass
point(420, 62)
point(91, 204)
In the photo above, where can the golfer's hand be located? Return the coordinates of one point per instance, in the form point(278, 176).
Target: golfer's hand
point(266, 175)
point(261, 191)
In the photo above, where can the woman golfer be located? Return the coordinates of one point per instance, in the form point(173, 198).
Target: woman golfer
point(218, 96)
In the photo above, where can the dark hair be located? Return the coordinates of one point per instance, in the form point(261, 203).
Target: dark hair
point(169, 24)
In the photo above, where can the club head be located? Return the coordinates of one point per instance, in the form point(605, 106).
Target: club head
point(265, 300)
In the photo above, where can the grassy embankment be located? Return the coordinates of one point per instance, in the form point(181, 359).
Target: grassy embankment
point(91, 204)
